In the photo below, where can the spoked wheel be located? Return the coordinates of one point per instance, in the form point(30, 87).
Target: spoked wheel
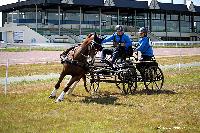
point(153, 78)
point(92, 83)
point(127, 80)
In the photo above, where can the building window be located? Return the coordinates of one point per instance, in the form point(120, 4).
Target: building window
point(158, 26)
point(172, 26)
point(157, 16)
point(197, 18)
point(174, 17)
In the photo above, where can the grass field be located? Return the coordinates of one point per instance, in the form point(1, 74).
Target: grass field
point(32, 69)
point(174, 109)
point(25, 49)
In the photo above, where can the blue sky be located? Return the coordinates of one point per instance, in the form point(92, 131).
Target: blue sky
point(196, 2)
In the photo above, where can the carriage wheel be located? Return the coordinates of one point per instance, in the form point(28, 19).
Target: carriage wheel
point(92, 83)
point(127, 81)
point(153, 78)
point(134, 82)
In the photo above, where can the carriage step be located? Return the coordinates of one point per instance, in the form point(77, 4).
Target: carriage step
point(104, 71)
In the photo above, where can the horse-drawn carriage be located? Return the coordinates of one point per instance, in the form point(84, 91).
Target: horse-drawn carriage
point(125, 74)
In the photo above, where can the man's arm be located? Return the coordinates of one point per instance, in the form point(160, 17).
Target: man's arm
point(108, 39)
point(128, 41)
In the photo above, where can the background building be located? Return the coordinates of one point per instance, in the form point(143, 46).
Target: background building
point(70, 20)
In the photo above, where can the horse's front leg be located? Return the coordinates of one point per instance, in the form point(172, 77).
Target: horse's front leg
point(71, 81)
point(53, 93)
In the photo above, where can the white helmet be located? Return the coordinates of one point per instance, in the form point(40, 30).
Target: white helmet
point(143, 30)
point(119, 28)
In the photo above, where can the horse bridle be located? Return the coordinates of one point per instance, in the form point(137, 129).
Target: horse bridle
point(90, 48)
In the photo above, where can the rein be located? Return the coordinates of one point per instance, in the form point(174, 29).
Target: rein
point(90, 48)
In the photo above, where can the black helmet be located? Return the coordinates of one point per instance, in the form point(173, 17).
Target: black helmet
point(119, 28)
point(143, 30)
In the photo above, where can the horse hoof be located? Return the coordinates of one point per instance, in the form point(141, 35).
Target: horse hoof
point(52, 97)
point(58, 100)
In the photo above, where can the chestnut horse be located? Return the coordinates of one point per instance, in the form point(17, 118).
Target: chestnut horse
point(76, 64)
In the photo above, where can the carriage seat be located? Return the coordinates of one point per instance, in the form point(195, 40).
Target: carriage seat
point(145, 64)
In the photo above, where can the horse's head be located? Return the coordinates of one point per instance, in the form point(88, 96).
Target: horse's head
point(92, 44)
point(94, 41)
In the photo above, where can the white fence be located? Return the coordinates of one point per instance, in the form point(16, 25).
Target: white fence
point(5, 81)
point(175, 43)
point(165, 43)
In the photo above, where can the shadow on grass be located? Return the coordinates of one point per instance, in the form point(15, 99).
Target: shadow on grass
point(106, 100)
point(110, 98)
point(154, 92)
point(101, 98)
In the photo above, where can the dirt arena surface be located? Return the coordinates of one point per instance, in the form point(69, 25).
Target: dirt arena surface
point(52, 56)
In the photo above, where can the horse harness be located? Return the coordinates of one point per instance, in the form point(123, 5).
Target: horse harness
point(65, 59)
point(120, 43)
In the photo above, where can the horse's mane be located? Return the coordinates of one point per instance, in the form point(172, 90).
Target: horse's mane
point(89, 39)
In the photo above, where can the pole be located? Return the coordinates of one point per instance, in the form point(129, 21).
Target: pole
point(80, 22)
point(166, 26)
point(30, 47)
point(59, 20)
point(135, 22)
point(18, 12)
point(36, 17)
point(118, 16)
point(100, 21)
point(180, 25)
point(6, 80)
point(12, 17)
point(180, 56)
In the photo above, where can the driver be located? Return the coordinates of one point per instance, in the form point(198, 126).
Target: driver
point(121, 44)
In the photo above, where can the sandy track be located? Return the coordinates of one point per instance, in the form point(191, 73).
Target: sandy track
point(51, 56)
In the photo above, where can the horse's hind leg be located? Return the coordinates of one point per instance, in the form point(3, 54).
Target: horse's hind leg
point(71, 81)
point(71, 88)
point(53, 93)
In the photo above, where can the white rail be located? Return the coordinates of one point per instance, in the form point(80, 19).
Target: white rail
point(175, 43)
point(108, 44)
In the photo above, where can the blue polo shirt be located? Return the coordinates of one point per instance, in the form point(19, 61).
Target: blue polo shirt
point(125, 39)
point(145, 47)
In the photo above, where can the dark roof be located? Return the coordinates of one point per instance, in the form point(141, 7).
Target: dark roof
point(52, 1)
point(89, 2)
point(118, 3)
point(197, 9)
point(18, 5)
point(131, 4)
point(173, 7)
